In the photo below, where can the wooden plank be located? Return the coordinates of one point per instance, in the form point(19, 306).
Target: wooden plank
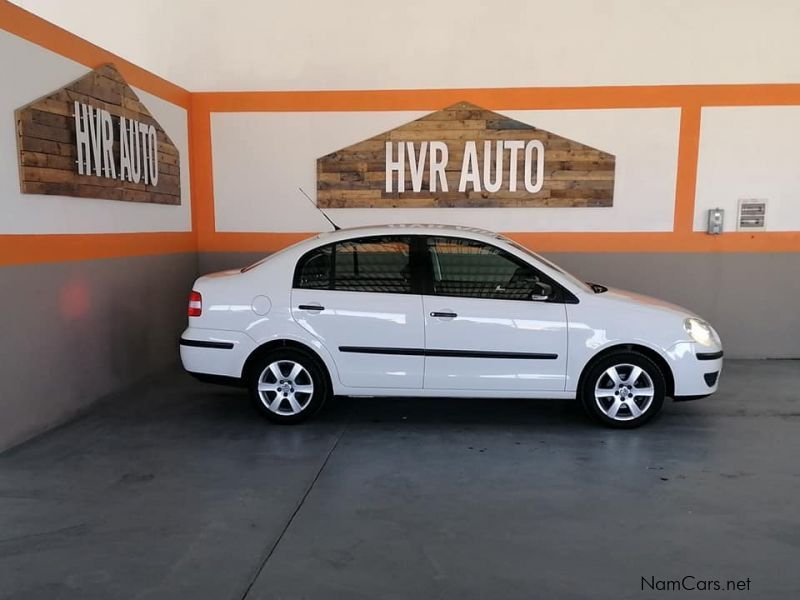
point(569, 154)
point(50, 161)
point(168, 169)
point(507, 124)
point(169, 180)
point(55, 106)
point(134, 105)
point(583, 175)
point(136, 196)
point(584, 165)
point(43, 132)
point(100, 192)
point(173, 189)
point(48, 175)
point(47, 147)
point(50, 189)
point(168, 159)
point(456, 124)
point(167, 148)
point(49, 119)
point(98, 88)
point(577, 193)
point(455, 114)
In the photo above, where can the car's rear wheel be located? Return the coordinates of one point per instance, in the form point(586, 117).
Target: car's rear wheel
point(287, 385)
point(623, 390)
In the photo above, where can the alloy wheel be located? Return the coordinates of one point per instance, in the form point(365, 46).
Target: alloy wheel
point(285, 387)
point(624, 392)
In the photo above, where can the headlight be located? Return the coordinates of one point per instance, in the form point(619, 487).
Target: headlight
point(701, 332)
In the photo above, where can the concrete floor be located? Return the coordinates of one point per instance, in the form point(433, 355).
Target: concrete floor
point(176, 489)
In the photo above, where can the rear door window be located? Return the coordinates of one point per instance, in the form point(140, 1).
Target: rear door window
point(379, 264)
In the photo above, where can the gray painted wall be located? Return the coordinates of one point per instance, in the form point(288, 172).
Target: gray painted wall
point(76, 331)
point(209, 262)
point(752, 299)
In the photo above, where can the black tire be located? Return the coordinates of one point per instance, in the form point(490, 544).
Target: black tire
point(600, 394)
point(285, 390)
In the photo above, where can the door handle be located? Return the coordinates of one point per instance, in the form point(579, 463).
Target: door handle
point(444, 314)
point(310, 307)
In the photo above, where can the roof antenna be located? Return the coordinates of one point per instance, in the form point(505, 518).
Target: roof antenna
point(335, 226)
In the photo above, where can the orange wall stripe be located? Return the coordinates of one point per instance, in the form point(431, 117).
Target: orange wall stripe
point(660, 242)
point(30, 249)
point(686, 180)
point(504, 98)
point(201, 174)
point(28, 26)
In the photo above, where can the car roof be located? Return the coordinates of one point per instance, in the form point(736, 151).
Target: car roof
point(409, 228)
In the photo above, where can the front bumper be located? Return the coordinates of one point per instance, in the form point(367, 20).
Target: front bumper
point(696, 370)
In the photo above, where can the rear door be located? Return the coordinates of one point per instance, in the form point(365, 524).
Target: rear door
point(359, 299)
point(492, 321)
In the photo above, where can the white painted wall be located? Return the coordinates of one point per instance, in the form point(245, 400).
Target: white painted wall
point(749, 152)
point(385, 44)
point(30, 72)
point(260, 160)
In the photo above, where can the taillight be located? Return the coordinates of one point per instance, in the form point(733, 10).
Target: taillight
point(195, 304)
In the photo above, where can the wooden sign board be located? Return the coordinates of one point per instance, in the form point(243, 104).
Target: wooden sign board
point(94, 138)
point(465, 156)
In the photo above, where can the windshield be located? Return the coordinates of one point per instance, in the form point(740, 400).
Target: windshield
point(553, 266)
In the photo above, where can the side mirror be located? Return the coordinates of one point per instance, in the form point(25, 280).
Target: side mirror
point(541, 291)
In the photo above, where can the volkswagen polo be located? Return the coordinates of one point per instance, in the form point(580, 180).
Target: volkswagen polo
point(416, 310)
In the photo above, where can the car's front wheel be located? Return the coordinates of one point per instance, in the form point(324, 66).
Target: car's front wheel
point(623, 389)
point(287, 385)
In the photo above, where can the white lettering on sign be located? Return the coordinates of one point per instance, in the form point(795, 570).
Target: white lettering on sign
point(469, 169)
point(513, 147)
point(94, 139)
point(417, 166)
point(472, 177)
point(534, 186)
point(440, 155)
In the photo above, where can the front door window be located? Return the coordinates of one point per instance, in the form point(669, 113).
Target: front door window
point(471, 269)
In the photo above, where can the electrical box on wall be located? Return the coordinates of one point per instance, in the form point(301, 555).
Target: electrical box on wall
point(752, 215)
point(716, 216)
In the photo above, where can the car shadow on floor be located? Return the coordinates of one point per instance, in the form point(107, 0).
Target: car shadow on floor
point(552, 414)
point(455, 411)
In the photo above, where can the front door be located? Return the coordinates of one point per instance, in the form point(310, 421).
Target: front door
point(356, 298)
point(492, 322)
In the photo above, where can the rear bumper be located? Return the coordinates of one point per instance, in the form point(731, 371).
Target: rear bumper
point(218, 379)
point(215, 352)
point(696, 370)
point(206, 344)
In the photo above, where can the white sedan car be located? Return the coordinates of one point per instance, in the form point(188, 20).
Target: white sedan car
point(415, 310)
